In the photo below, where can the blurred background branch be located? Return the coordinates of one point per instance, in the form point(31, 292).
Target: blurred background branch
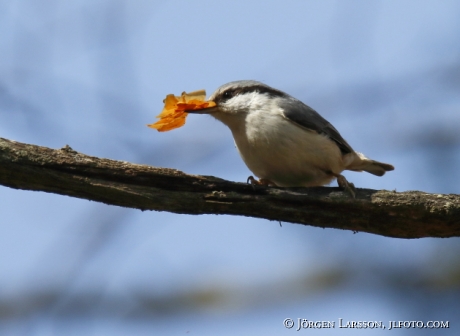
point(409, 214)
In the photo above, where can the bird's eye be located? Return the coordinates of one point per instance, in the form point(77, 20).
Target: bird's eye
point(228, 94)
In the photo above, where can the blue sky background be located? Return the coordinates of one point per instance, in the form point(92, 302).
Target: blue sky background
point(92, 74)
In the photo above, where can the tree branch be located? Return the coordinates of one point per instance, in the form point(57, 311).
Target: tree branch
point(411, 214)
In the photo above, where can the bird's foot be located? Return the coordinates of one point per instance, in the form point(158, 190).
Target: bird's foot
point(261, 182)
point(347, 186)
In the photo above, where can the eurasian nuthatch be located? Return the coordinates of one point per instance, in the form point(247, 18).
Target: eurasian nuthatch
point(283, 141)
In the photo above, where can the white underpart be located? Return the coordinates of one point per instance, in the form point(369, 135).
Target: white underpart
point(277, 149)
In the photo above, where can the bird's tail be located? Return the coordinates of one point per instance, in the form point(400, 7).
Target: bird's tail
point(359, 163)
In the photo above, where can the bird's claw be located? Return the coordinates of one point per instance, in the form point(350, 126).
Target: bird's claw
point(261, 182)
point(347, 186)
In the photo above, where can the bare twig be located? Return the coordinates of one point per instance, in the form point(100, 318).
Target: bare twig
point(411, 214)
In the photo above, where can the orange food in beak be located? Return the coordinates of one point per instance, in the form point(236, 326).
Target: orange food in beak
point(173, 114)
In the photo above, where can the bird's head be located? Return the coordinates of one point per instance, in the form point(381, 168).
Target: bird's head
point(235, 100)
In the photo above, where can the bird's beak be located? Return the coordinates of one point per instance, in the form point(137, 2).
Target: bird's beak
point(205, 110)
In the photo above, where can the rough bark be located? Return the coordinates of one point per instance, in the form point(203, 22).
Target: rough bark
point(411, 214)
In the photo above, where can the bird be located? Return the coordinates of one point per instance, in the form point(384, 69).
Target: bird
point(284, 142)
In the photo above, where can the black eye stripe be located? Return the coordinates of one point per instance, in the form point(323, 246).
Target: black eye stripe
point(232, 92)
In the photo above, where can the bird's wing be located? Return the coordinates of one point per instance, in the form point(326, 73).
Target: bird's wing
point(306, 117)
